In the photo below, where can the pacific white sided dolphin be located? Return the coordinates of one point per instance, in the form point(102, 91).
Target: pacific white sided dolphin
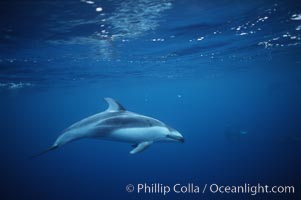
point(118, 124)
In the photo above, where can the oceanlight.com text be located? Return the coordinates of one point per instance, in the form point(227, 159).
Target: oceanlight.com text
point(213, 188)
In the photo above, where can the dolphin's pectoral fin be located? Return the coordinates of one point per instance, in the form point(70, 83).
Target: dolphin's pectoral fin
point(114, 106)
point(141, 147)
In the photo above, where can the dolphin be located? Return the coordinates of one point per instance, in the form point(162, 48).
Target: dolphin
point(234, 134)
point(118, 124)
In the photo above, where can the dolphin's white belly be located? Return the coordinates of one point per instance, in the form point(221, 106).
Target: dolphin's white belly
point(136, 135)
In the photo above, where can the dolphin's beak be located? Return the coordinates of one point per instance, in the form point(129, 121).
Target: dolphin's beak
point(179, 137)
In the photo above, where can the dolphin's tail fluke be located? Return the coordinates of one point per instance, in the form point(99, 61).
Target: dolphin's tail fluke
point(44, 152)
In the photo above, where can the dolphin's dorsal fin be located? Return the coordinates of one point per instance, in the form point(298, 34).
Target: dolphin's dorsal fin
point(114, 106)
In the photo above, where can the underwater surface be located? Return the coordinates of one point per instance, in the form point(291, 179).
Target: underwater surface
point(226, 74)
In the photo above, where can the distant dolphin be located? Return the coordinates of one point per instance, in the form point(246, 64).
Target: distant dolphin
point(118, 124)
point(234, 134)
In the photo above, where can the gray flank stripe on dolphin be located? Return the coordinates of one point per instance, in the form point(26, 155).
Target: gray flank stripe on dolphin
point(129, 122)
point(93, 119)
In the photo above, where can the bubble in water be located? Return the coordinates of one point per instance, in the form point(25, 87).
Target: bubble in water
point(99, 9)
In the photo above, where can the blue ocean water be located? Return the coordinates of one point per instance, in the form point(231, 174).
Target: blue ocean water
point(226, 74)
